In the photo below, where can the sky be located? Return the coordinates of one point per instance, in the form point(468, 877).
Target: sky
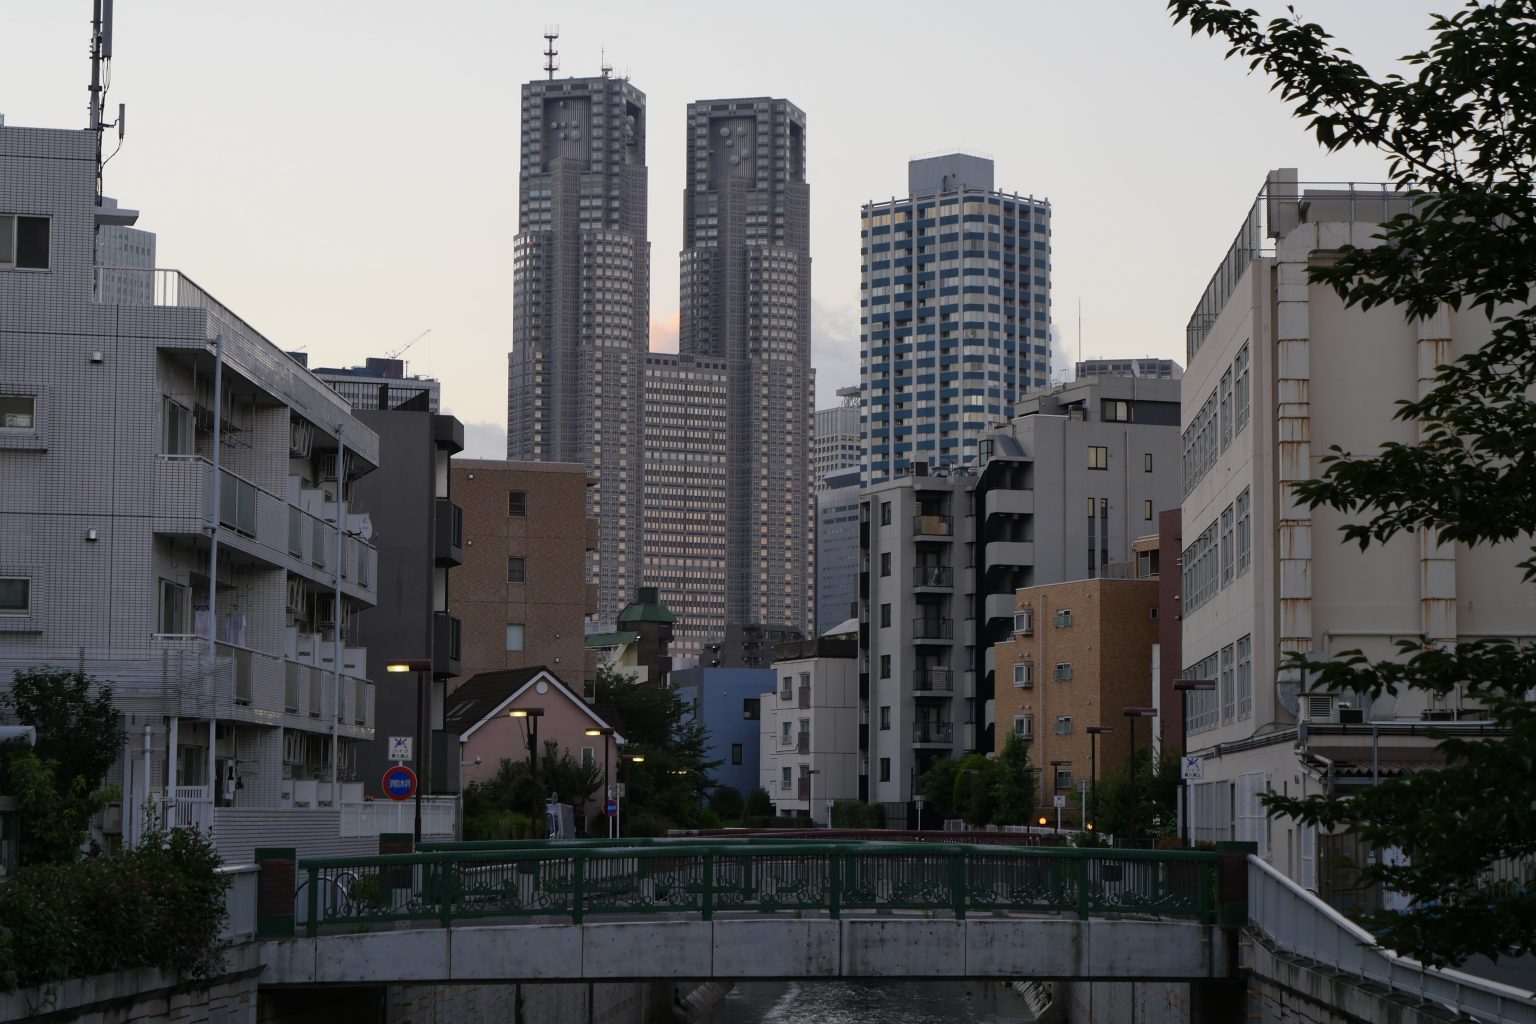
point(343, 175)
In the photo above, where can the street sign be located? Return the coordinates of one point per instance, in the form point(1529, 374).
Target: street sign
point(1082, 785)
point(400, 748)
point(1058, 801)
point(1193, 768)
point(399, 783)
point(610, 807)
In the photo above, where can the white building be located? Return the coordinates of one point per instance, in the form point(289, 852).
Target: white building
point(1279, 372)
point(812, 725)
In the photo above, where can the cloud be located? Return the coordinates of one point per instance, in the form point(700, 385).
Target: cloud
point(835, 350)
point(484, 441)
point(664, 330)
point(1063, 356)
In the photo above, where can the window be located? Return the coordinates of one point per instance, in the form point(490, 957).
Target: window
point(1228, 659)
point(18, 412)
point(177, 439)
point(885, 717)
point(23, 242)
point(885, 563)
point(1116, 411)
point(174, 612)
point(1024, 622)
point(1098, 457)
point(1063, 672)
point(735, 753)
point(786, 735)
point(1226, 409)
point(1146, 463)
point(787, 688)
point(1063, 779)
point(15, 595)
point(885, 615)
point(517, 503)
point(885, 769)
point(1063, 618)
point(515, 570)
point(885, 666)
point(1146, 510)
point(786, 780)
point(885, 513)
point(1240, 394)
point(1024, 726)
point(1244, 532)
point(1245, 678)
point(1024, 674)
point(751, 709)
point(1064, 725)
point(515, 636)
point(1227, 518)
point(588, 756)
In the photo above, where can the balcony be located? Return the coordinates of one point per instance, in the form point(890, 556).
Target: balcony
point(803, 743)
point(936, 527)
point(445, 644)
point(933, 629)
point(448, 524)
point(933, 732)
point(1011, 552)
point(933, 680)
point(1016, 503)
point(933, 577)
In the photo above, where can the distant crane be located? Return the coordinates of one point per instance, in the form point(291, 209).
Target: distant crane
point(397, 353)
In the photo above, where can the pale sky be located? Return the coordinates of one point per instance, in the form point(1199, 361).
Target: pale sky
point(344, 175)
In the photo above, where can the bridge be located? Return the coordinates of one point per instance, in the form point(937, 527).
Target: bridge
point(530, 912)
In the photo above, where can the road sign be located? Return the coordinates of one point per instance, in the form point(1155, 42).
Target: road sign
point(399, 783)
point(1193, 768)
point(1058, 801)
point(1082, 785)
point(610, 807)
point(400, 748)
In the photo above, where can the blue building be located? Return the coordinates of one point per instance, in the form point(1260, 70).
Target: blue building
point(955, 314)
point(727, 701)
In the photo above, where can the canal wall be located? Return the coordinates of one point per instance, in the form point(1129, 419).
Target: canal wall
point(144, 996)
point(572, 1003)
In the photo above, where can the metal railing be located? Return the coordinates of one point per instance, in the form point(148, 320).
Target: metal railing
point(933, 629)
point(927, 680)
point(933, 732)
point(578, 880)
point(239, 902)
point(1299, 922)
point(933, 576)
point(376, 817)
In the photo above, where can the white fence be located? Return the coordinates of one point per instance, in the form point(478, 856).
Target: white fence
point(240, 902)
point(1297, 921)
point(376, 817)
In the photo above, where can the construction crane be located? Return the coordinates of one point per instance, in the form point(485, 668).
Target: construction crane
point(397, 353)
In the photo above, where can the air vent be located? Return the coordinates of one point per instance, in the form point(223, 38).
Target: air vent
point(1319, 707)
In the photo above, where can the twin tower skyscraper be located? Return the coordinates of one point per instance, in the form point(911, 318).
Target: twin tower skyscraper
point(700, 457)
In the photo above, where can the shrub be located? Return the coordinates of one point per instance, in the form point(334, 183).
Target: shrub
point(759, 804)
point(854, 814)
point(727, 802)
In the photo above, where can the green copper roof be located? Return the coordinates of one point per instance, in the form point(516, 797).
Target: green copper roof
point(646, 607)
point(609, 639)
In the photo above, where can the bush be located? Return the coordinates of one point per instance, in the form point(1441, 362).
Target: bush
point(727, 803)
point(854, 814)
point(759, 804)
point(158, 905)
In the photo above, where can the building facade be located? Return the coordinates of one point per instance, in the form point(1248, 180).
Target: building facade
point(581, 307)
point(1148, 367)
point(380, 383)
point(955, 314)
point(521, 593)
point(836, 447)
point(812, 727)
point(728, 703)
point(837, 549)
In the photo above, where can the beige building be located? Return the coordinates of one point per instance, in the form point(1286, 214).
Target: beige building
point(811, 725)
point(521, 592)
point(1080, 654)
point(1280, 371)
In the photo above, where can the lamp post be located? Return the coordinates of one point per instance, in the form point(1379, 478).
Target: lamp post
point(531, 718)
point(1056, 767)
point(618, 819)
point(607, 734)
point(1094, 732)
point(1183, 688)
point(810, 799)
point(1132, 714)
point(420, 666)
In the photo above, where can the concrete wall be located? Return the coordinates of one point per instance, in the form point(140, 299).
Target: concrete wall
point(129, 997)
point(628, 1003)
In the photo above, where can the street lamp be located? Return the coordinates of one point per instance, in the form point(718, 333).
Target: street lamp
point(531, 718)
point(618, 819)
point(420, 666)
point(1056, 767)
point(1132, 714)
point(606, 733)
point(1183, 688)
point(1094, 732)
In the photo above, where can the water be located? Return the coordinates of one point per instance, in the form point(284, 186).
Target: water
point(842, 1002)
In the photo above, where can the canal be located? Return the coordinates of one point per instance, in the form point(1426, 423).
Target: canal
point(843, 1002)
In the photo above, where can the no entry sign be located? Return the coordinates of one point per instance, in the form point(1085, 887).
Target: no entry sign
point(399, 783)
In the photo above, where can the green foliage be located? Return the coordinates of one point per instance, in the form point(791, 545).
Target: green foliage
point(1157, 797)
point(670, 785)
point(160, 904)
point(58, 783)
point(759, 804)
point(502, 807)
point(726, 803)
point(1459, 134)
point(982, 790)
point(1014, 787)
point(856, 814)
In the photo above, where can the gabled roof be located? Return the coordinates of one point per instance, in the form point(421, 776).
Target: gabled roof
point(600, 640)
point(488, 694)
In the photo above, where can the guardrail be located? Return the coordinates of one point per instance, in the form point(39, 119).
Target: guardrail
point(575, 881)
point(1296, 920)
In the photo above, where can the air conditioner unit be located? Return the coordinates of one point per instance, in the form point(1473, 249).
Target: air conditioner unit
point(308, 648)
point(1320, 708)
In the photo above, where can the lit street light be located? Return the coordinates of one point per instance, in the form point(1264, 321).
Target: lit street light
point(420, 666)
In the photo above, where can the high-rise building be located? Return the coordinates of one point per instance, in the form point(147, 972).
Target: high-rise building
point(836, 447)
point(837, 549)
point(955, 313)
point(745, 309)
point(581, 297)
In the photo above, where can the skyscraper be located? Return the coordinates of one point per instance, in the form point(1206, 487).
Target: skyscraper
point(746, 306)
point(581, 298)
point(836, 447)
point(955, 314)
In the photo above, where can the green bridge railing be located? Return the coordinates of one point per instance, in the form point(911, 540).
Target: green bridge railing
point(575, 881)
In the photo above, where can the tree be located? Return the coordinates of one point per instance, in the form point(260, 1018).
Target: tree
point(668, 788)
point(1014, 787)
point(501, 807)
point(727, 802)
point(1458, 135)
point(759, 804)
point(58, 784)
point(1157, 788)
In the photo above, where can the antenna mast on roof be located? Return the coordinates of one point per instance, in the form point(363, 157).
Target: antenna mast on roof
point(551, 33)
point(607, 68)
point(101, 68)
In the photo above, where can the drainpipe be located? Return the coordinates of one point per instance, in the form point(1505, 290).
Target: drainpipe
point(341, 519)
point(213, 571)
point(142, 829)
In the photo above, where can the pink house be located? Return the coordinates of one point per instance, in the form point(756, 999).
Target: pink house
point(481, 710)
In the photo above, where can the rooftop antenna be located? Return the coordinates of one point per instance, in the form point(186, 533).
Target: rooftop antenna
point(101, 75)
point(607, 68)
point(551, 33)
point(1079, 329)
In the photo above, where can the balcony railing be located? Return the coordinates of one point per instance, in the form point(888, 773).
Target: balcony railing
point(933, 629)
point(933, 576)
point(928, 680)
point(805, 696)
point(933, 732)
point(803, 743)
point(933, 526)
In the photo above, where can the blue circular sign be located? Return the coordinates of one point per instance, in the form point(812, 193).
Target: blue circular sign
point(399, 783)
point(611, 808)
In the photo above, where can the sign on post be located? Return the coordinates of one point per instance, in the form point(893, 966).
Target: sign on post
point(1058, 801)
point(610, 807)
point(400, 748)
point(1193, 768)
point(399, 783)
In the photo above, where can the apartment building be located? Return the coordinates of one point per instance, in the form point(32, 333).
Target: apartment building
point(179, 519)
point(813, 726)
point(1280, 371)
point(728, 703)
